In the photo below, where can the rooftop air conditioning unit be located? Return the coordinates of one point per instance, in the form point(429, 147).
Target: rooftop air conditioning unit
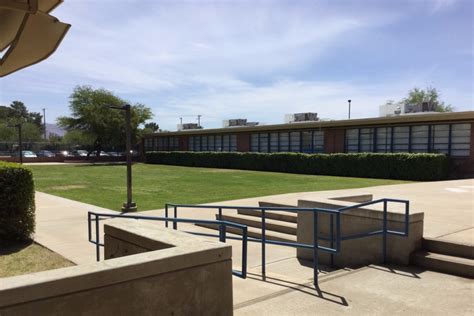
point(301, 117)
point(188, 126)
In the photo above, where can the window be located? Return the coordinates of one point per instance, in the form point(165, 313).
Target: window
point(366, 140)
point(254, 142)
point(419, 139)
point(284, 141)
point(401, 138)
point(148, 144)
point(440, 139)
point(460, 139)
point(295, 145)
point(226, 143)
point(233, 142)
point(263, 142)
point(318, 141)
point(352, 140)
point(218, 142)
point(383, 138)
point(306, 142)
point(274, 142)
point(204, 143)
point(210, 143)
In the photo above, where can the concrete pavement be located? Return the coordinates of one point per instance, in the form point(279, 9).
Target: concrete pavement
point(448, 207)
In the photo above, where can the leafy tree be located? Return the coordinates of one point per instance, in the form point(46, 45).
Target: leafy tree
point(91, 115)
point(152, 126)
point(430, 95)
point(78, 138)
point(17, 113)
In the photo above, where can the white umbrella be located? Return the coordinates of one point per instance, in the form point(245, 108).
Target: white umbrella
point(28, 34)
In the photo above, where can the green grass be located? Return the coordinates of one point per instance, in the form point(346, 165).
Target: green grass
point(28, 257)
point(154, 185)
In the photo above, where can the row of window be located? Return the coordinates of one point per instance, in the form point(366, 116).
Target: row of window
point(296, 141)
point(451, 139)
point(162, 144)
point(213, 143)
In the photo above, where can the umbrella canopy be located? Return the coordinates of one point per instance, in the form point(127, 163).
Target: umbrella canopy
point(28, 34)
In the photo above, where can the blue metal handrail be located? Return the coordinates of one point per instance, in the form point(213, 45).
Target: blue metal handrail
point(334, 239)
point(222, 232)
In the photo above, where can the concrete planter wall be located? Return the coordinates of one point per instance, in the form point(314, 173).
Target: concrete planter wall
point(154, 272)
point(362, 251)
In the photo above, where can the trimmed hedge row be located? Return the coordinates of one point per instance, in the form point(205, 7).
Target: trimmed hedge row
point(402, 166)
point(17, 203)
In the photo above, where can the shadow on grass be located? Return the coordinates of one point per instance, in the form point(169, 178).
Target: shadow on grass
point(100, 164)
point(14, 247)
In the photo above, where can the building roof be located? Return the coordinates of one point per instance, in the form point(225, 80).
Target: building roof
point(388, 120)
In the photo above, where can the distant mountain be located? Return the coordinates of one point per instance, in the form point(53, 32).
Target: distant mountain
point(54, 129)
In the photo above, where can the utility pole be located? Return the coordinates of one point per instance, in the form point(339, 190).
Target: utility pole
point(349, 101)
point(44, 123)
point(128, 206)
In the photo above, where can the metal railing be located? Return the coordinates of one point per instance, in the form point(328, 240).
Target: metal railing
point(95, 217)
point(334, 239)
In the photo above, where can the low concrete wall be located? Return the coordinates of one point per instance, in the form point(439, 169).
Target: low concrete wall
point(155, 271)
point(362, 251)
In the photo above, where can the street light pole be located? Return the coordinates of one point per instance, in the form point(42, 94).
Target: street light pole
point(349, 101)
point(128, 206)
point(20, 140)
point(44, 123)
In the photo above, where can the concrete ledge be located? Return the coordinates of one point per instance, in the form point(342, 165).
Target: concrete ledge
point(396, 210)
point(85, 287)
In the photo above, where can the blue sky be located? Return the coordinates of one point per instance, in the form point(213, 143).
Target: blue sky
point(254, 59)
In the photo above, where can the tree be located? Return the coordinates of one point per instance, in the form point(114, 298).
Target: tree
point(91, 115)
point(429, 96)
point(18, 113)
point(152, 126)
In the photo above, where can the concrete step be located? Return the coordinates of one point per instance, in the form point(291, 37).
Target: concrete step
point(443, 263)
point(272, 204)
point(448, 248)
point(270, 224)
point(290, 217)
point(255, 233)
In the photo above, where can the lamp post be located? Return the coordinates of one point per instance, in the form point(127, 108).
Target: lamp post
point(20, 141)
point(349, 101)
point(128, 206)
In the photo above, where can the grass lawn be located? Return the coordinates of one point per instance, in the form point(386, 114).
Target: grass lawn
point(28, 257)
point(154, 185)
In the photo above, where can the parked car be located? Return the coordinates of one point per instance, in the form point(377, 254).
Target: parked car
point(63, 153)
point(115, 154)
point(102, 153)
point(80, 153)
point(28, 154)
point(45, 153)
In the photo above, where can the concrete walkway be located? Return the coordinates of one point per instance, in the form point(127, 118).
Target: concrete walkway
point(448, 207)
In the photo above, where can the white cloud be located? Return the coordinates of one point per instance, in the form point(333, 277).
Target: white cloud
point(222, 59)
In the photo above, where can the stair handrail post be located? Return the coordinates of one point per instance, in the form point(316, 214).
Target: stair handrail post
point(264, 239)
point(315, 248)
point(384, 235)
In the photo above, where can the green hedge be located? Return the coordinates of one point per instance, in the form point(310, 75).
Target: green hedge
point(17, 203)
point(403, 166)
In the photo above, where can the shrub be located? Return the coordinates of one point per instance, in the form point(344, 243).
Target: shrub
point(402, 166)
point(17, 203)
